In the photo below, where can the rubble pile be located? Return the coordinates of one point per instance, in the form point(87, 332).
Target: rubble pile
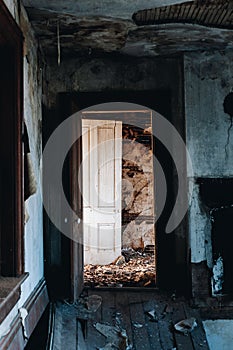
point(131, 269)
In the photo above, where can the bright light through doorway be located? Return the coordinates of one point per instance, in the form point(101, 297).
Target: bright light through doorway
point(118, 202)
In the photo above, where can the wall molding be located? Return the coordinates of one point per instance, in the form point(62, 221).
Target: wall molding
point(35, 306)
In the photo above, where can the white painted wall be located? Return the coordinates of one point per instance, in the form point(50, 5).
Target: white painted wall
point(208, 79)
point(33, 241)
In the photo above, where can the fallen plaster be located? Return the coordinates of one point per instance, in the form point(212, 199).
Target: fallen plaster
point(219, 334)
point(217, 280)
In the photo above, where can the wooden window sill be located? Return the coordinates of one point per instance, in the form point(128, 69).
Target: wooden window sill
point(10, 293)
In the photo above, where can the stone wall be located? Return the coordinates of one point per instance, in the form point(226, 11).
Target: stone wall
point(137, 188)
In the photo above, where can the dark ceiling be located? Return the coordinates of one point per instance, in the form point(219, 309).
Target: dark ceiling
point(131, 27)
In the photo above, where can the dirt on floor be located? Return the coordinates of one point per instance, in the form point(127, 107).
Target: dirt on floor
point(131, 269)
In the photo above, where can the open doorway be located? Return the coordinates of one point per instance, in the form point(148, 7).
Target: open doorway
point(62, 254)
point(118, 199)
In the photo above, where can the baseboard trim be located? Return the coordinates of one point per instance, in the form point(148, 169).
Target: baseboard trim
point(35, 306)
point(14, 340)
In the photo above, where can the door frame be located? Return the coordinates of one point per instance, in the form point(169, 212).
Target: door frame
point(77, 249)
point(172, 250)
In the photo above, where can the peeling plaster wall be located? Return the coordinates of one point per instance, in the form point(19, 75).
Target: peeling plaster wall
point(33, 237)
point(112, 72)
point(33, 118)
point(208, 80)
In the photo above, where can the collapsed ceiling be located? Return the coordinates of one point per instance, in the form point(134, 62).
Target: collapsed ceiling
point(139, 28)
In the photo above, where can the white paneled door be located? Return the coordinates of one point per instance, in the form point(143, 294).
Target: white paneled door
point(102, 173)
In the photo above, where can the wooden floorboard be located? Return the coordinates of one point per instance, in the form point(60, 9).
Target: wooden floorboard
point(164, 325)
point(82, 345)
point(198, 335)
point(93, 338)
point(122, 308)
point(108, 308)
point(140, 334)
point(69, 332)
point(183, 341)
point(152, 325)
point(129, 310)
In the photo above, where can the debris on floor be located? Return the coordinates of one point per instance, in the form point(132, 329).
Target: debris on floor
point(115, 336)
point(132, 268)
point(186, 325)
point(168, 309)
point(86, 306)
point(93, 302)
point(152, 315)
point(137, 325)
point(132, 311)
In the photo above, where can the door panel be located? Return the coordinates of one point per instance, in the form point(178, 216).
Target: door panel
point(102, 157)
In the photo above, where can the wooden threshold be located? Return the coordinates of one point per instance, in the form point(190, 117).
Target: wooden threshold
point(122, 289)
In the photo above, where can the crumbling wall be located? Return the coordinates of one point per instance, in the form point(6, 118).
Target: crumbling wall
point(209, 139)
point(34, 257)
point(137, 188)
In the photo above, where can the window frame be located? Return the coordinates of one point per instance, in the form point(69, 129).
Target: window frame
point(12, 38)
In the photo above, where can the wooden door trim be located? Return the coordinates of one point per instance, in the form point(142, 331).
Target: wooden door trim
point(12, 38)
point(76, 245)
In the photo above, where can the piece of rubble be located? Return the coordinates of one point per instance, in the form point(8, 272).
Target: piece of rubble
point(115, 336)
point(168, 309)
point(120, 260)
point(137, 325)
point(173, 296)
point(94, 302)
point(147, 284)
point(148, 130)
point(152, 315)
point(86, 306)
point(186, 326)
